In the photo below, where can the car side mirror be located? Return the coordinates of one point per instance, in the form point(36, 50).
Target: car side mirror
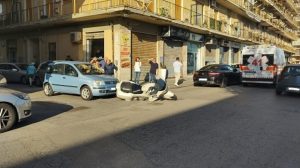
point(14, 69)
point(49, 69)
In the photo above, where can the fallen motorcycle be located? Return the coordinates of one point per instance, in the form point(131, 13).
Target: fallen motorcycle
point(129, 90)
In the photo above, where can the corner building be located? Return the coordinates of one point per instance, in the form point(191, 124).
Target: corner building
point(199, 32)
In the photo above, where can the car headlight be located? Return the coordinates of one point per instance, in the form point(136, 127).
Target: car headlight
point(21, 95)
point(99, 82)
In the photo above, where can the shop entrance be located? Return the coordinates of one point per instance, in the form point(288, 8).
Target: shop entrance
point(191, 62)
point(94, 45)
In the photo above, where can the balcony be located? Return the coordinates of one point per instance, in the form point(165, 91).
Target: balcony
point(279, 9)
point(166, 13)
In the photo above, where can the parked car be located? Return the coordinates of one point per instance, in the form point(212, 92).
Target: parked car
point(289, 79)
point(217, 74)
point(14, 72)
point(80, 78)
point(40, 72)
point(14, 107)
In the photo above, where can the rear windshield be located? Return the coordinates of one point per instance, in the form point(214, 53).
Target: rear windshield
point(210, 67)
point(292, 70)
point(266, 58)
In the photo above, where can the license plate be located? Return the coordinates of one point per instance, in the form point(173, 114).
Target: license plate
point(202, 79)
point(293, 89)
point(112, 88)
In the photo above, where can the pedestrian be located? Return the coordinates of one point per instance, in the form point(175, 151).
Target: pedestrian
point(30, 73)
point(102, 62)
point(95, 62)
point(177, 70)
point(137, 70)
point(109, 68)
point(98, 54)
point(68, 58)
point(153, 70)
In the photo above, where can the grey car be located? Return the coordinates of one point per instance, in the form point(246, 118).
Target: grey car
point(14, 106)
point(289, 80)
point(14, 72)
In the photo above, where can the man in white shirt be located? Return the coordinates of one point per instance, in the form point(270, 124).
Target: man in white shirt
point(177, 70)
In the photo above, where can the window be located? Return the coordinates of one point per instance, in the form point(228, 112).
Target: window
point(70, 71)
point(58, 69)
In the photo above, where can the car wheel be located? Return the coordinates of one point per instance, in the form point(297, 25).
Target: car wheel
point(8, 117)
point(23, 80)
point(86, 93)
point(48, 90)
point(224, 82)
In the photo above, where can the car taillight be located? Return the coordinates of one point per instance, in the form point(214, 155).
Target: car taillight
point(213, 73)
point(244, 68)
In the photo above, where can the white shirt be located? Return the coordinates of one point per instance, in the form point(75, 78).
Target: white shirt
point(137, 66)
point(177, 66)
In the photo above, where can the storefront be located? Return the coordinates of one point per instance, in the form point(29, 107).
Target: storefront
point(144, 46)
point(210, 51)
point(194, 54)
point(174, 39)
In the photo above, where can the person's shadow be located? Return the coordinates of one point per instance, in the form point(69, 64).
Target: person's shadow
point(180, 81)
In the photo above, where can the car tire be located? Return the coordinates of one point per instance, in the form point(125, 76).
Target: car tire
point(23, 80)
point(86, 93)
point(48, 90)
point(8, 117)
point(224, 82)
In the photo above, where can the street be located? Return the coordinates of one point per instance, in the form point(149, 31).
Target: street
point(207, 127)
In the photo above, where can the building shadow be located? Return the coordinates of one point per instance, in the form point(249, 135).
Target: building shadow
point(225, 133)
point(23, 88)
point(42, 110)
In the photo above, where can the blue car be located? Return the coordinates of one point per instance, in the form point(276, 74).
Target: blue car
point(80, 78)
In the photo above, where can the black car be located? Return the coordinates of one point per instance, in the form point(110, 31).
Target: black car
point(40, 73)
point(289, 80)
point(217, 74)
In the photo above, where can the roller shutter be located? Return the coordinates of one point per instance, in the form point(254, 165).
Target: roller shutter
point(145, 47)
point(172, 49)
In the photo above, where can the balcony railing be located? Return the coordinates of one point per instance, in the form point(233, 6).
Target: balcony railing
point(166, 10)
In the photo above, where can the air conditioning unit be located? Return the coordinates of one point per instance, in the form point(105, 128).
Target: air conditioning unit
point(75, 37)
point(213, 3)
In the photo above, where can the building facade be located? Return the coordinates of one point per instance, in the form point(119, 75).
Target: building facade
point(199, 32)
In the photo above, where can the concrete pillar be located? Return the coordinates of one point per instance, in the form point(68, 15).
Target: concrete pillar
point(217, 55)
point(184, 59)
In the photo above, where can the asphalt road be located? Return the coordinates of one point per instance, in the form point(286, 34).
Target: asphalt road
point(208, 127)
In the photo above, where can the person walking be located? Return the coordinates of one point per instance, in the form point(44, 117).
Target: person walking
point(137, 70)
point(110, 67)
point(30, 73)
point(177, 70)
point(153, 70)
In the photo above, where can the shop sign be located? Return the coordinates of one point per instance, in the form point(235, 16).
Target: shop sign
point(125, 48)
point(175, 33)
point(196, 37)
point(235, 45)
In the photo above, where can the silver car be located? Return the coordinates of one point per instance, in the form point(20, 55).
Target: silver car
point(14, 106)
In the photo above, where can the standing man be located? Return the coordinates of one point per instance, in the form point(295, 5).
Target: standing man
point(153, 70)
point(109, 68)
point(177, 70)
point(30, 72)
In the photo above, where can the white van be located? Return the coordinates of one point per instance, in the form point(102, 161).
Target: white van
point(261, 64)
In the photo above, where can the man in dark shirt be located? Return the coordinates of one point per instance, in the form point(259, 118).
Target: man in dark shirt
point(153, 69)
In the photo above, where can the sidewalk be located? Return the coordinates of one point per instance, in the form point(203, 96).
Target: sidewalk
point(183, 82)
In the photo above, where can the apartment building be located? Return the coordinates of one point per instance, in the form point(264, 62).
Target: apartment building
point(199, 32)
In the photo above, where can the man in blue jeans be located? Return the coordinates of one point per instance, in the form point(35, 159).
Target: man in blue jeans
point(153, 70)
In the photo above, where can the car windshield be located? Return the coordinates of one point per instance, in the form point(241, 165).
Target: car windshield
point(22, 66)
point(89, 69)
point(293, 70)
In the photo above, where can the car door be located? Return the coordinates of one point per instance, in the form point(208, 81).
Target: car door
point(70, 80)
point(14, 73)
point(225, 70)
point(234, 75)
point(56, 77)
